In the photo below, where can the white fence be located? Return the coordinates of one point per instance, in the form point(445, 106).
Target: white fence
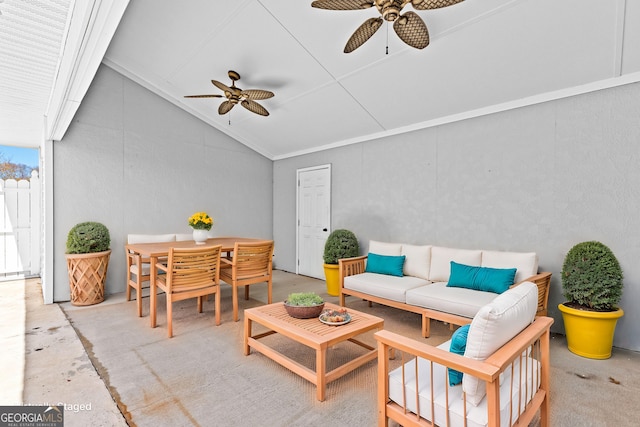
point(20, 227)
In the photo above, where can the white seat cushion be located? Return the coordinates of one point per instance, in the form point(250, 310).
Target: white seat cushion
point(181, 237)
point(461, 301)
point(477, 416)
point(146, 269)
point(441, 261)
point(382, 285)
point(526, 263)
point(417, 261)
point(496, 324)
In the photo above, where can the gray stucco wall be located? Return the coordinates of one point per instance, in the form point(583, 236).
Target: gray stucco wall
point(138, 164)
point(540, 178)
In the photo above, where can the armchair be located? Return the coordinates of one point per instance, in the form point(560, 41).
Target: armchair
point(190, 273)
point(138, 268)
point(251, 263)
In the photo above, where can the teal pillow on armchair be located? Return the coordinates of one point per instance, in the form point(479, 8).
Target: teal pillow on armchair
point(458, 346)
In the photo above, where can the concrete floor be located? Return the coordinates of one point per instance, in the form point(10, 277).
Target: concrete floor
point(46, 363)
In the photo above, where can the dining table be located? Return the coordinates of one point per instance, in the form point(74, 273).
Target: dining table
point(155, 251)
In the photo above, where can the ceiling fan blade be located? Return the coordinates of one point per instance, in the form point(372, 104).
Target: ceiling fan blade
point(412, 30)
point(254, 107)
point(225, 107)
point(223, 87)
point(257, 94)
point(203, 96)
point(433, 4)
point(342, 4)
point(362, 34)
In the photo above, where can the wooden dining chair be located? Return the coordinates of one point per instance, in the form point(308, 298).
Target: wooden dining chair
point(138, 268)
point(190, 273)
point(250, 263)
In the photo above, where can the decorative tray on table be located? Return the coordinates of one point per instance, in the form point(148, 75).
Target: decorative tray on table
point(335, 317)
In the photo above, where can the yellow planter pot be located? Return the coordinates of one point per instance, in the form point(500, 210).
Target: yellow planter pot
point(332, 277)
point(590, 333)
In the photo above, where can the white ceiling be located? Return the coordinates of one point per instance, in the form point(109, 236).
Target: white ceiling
point(483, 53)
point(30, 39)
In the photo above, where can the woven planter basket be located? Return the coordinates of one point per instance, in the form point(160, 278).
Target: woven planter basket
point(303, 312)
point(87, 274)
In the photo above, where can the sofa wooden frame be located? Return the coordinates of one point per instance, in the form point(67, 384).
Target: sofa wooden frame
point(356, 265)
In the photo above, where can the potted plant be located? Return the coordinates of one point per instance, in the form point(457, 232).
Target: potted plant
point(340, 244)
point(201, 223)
point(304, 305)
point(87, 262)
point(592, 284)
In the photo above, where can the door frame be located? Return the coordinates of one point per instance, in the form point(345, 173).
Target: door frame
point(297, 220)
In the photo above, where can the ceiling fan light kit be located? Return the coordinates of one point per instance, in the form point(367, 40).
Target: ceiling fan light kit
point(235, 95)
point(408, 26)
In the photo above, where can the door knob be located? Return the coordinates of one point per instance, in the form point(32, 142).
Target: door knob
point(324, 229)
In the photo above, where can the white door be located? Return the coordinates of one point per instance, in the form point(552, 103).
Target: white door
point(314, 218)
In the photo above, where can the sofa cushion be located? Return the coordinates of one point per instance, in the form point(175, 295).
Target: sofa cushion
point(385, 264)
point(458, 346)
point(441, 258)
point(383, 286)
point(383, 248)
point(511, 393)
point(460, 301)
point(496, 324)
point(496, 280)
point(526, 263)
point(418, 260)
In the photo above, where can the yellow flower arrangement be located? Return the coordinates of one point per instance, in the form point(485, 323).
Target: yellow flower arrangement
point(200, 221)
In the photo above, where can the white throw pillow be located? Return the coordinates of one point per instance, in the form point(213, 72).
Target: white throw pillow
point(526, 263)
point(417, 261)
point(382, 248)
point(441, 261)
point(496, 324)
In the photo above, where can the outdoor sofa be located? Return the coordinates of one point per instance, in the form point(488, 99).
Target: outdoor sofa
point(417, 279)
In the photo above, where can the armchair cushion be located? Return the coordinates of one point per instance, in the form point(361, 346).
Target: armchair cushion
point(383, 264)
point(496, 280)
point(495, 324)
point(511, 396)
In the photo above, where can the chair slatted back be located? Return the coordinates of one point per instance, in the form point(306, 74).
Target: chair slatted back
point(193, 268)
point(253, 259)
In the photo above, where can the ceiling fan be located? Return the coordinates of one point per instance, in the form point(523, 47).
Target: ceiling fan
point(246, 98)
point(409, 26)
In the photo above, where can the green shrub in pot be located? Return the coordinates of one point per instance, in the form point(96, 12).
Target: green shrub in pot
point(340, 244)
point(88, 237)
point(592, 284)
point(87, 255)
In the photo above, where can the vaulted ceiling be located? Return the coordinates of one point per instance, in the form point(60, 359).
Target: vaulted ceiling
point(483, 54)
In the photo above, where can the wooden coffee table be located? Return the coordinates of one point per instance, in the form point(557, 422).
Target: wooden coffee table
point(313, 334)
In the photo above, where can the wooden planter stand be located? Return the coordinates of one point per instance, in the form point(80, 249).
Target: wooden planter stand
point(87, 274)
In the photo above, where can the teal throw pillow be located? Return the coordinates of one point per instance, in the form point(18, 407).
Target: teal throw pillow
point(458, 346)
point(496, 280)
point(385, 264)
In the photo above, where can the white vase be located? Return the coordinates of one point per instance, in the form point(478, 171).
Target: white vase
point(200, 236)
